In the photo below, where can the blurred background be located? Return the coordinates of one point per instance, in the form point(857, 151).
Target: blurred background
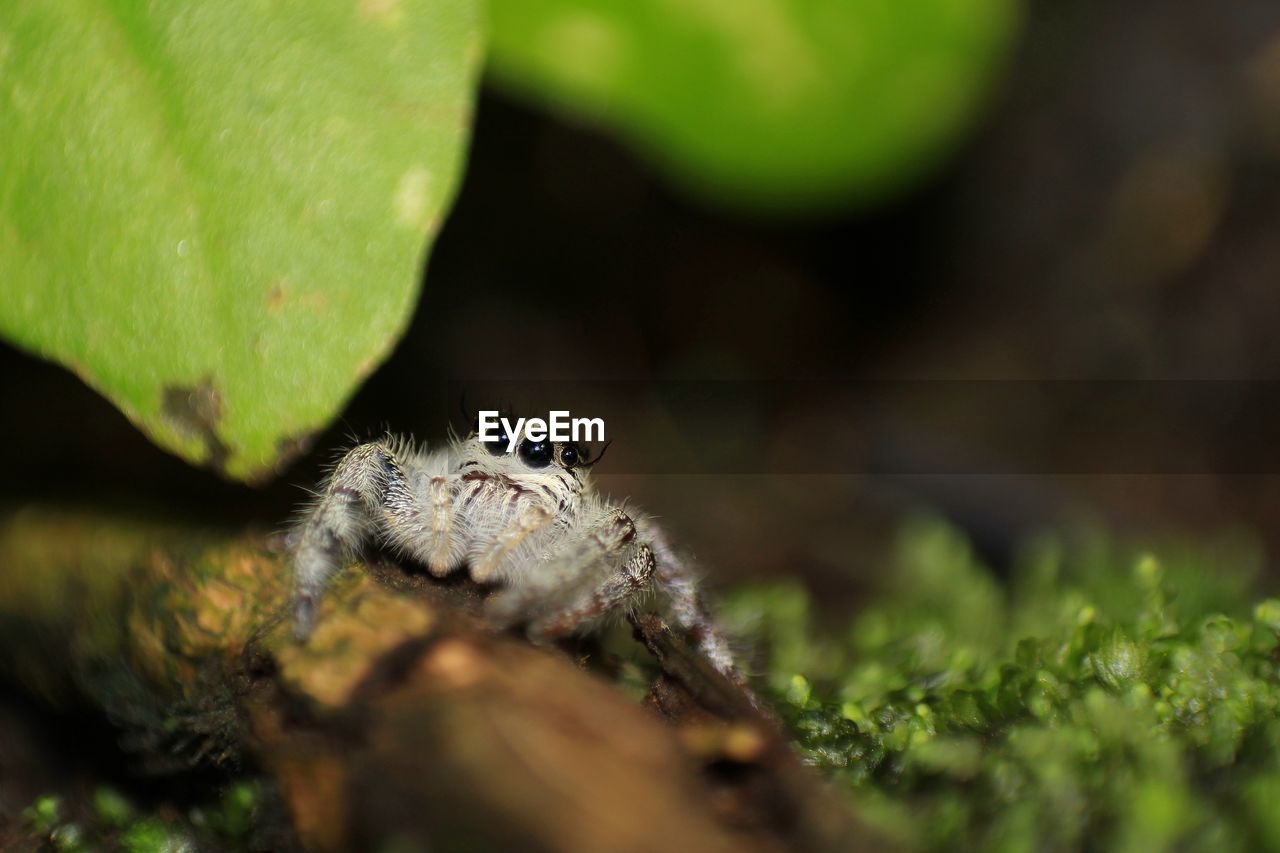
point(1040, 291)
point(1102, 244)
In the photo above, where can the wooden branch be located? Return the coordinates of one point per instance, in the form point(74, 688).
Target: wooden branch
point(402, 719)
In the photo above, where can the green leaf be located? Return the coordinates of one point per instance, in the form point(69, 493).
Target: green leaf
point(778, 104)
point(216, 213)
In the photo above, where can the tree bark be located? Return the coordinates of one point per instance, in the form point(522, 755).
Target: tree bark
point(403, 720)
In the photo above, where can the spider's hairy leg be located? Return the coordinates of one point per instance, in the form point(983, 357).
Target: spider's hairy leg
point(439, 552)
point(680, 584)
point(367, 492)
point(525, 519)
point(601, 568)
point(620, 587)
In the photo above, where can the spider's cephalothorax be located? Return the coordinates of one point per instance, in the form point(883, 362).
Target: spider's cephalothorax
point(527, 521)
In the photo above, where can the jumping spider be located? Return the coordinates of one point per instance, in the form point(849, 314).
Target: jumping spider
point(563, 557)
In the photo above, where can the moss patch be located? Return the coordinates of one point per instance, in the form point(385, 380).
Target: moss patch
point(1103, 698)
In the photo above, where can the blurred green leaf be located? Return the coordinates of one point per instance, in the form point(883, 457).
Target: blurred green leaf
point(782, 104)
point(216, 213)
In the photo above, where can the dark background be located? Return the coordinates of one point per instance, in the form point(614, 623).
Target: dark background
point(1114, 219)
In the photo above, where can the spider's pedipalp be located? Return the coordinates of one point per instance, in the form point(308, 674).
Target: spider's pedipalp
point(619, 590)
point(598, 568)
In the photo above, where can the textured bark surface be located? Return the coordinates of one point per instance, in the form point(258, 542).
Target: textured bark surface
point(403, 720)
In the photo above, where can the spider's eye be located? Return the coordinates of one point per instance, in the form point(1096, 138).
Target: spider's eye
point(498, 446)
point(570, 455)
point(536, 454)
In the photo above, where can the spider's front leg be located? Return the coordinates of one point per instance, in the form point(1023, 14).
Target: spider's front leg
point(600, 568)
point(369, 492)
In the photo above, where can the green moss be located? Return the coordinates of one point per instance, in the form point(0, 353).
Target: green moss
point(43, 815)
point(111, 808)
point(231, 820)
point(112, 822)
point(1102, 698)
point(151, 835)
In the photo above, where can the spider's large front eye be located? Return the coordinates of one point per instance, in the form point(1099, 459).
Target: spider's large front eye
point(498, 446)
point(570, 455)
point(536, 454)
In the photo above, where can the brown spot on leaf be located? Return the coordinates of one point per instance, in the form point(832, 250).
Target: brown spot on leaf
point(196, 411)
point(288, 449)
point(275, 296)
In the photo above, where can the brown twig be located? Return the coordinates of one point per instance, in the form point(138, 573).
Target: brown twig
point(401, 718)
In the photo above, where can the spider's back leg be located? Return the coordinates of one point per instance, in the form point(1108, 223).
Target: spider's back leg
point(688, 608)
